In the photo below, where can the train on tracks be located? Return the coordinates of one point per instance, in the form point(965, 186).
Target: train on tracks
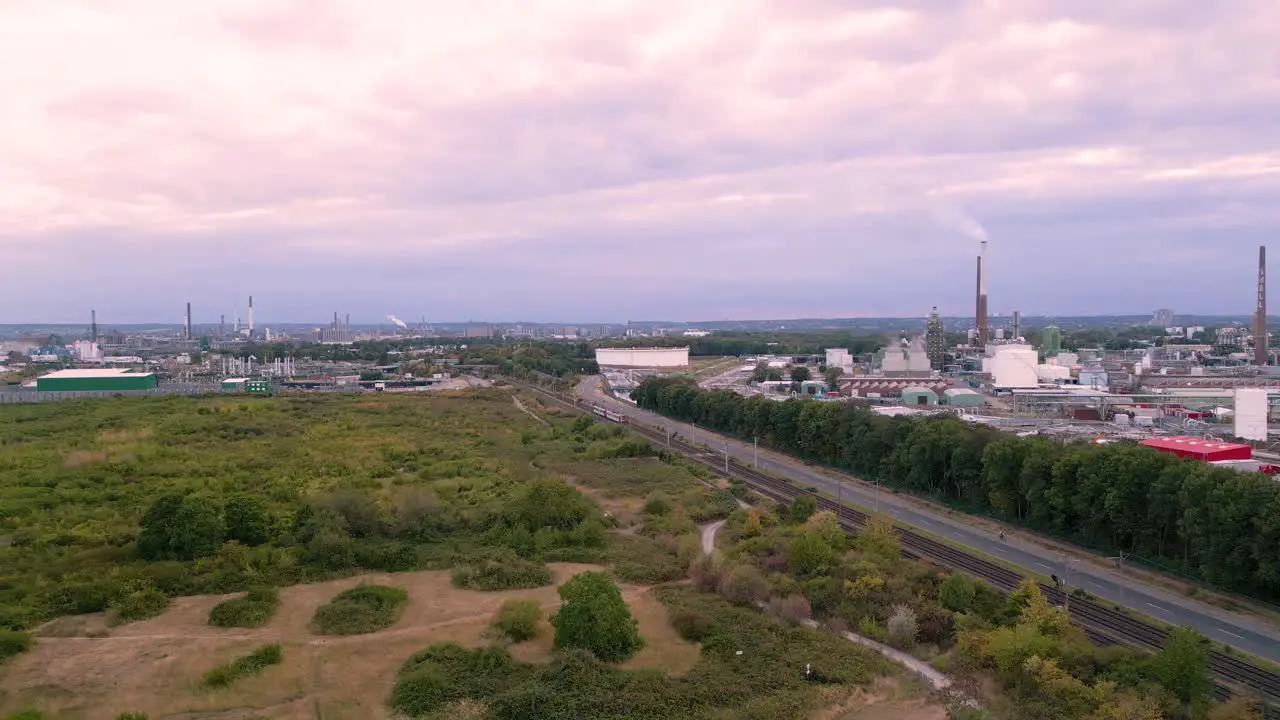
point(607, 414)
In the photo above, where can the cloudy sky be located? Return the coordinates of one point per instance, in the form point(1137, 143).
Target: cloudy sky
point(611, 160)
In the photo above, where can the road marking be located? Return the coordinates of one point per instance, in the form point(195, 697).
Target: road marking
point(1046, 567)
point(1002, 551)
point(1231, 633)
point(1158, 607)
point(1090, 582)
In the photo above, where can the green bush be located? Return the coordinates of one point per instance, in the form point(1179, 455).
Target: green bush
point(251, 610)
point(26, 715)
point(518, 619)
point(131, 716)
point(362, 609)
point(178, 527)
point(448, 672)
point(502, 574)
point(250, 664)
point(247, 520)
point(593, 616)
point(12, 643)
point(957, 593)
point(138, 605)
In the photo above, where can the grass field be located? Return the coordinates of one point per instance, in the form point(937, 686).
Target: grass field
point(404, 492)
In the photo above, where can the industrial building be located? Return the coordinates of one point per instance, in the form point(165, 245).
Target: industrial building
point(104, 380)
point(915, 395)
point(643, 357)
point(1199, 448)
point(963, 397)
point(935, 340)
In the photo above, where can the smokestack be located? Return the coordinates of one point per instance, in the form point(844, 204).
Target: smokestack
point(250, 316)
point(188, 321)
point(982, 295)
point(93, 325)
point(1260, 313)
point(1017, 325)
point(222, 326)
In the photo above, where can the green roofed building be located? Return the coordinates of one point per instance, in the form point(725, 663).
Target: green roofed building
point(104, 380)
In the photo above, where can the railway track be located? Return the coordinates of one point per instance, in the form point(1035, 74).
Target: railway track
point(1102, 624)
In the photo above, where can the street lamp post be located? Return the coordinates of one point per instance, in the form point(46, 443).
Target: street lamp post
point(755, 452)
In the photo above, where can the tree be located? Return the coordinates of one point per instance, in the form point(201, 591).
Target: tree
point(802, 506)
point(799, 373)
point(1182, 666)
point(178, 528)
point(832, 377)
point(593, 616)
point(247, 520)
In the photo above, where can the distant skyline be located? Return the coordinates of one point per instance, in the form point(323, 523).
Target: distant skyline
point(727, 159)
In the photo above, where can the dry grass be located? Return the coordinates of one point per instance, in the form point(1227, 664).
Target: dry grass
point(80, 670)
point(888, 698)
point(78, 458)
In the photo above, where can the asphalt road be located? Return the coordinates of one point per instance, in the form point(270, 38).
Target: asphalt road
point(1244, 633)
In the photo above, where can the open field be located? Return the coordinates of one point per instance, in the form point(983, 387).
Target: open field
point(80, 670)
point(125, 521)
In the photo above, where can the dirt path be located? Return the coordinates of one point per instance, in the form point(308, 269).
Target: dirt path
point(709, 537)
point(531, 413)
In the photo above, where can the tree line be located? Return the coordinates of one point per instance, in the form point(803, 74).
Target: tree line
point(762, 343)
point(1216, 524)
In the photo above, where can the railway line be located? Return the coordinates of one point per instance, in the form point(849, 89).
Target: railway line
point(1102, 624)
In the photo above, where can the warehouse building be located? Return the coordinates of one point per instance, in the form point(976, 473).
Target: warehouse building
point(672, 357)
point(1199, 448)
point(104, 380)
point(914, 395)
point(963, 397)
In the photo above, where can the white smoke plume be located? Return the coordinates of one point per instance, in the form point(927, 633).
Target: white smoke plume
point(953, 216)
point(397, 321)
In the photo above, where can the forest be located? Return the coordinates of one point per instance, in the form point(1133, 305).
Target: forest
point(1215, 524)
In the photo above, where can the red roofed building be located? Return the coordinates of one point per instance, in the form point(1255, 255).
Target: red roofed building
point(1200, 449)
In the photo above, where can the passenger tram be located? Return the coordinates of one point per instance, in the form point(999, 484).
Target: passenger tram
point(608, 414)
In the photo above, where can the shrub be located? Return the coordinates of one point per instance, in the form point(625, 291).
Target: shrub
point(138, 605)
point(518, 619)
point(705, 573)
point(794, 608)
point(250, 664)
point(13, 643)
point(362, 609)
point(902, 627)
point(509, 573)
point(657, 505)
point(744, 585)
point(131, 716)
point(593, 616)
point(26, 715)
point(957, 593)
point(448, 672)
point(251, 610)
point(692, 625)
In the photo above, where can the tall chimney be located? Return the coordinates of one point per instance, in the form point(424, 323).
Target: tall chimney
point(222, 326)
point(1017, 325)
point(93, 325)
point(188, 321)
point(250, 316)
point(982, 295)
point(1260, 313)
